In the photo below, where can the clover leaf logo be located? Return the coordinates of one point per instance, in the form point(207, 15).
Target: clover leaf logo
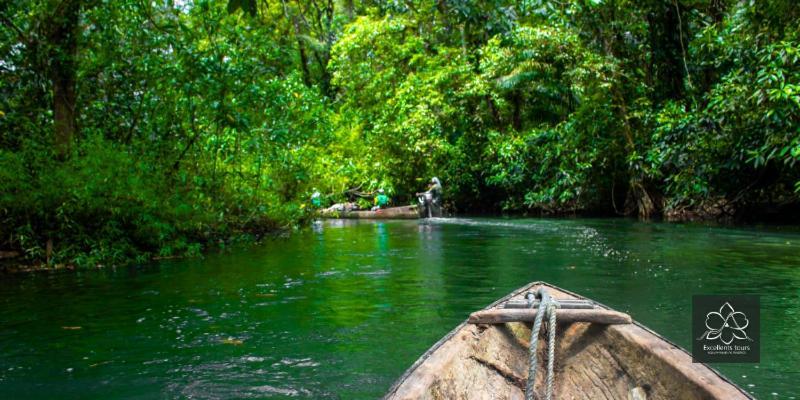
point(726, 325)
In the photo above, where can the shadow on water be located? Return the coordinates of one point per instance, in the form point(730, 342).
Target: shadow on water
point(341, 309)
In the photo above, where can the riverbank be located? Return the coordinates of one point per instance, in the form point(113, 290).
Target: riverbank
point(718, 211)
point(110, 205)
point(13, 261)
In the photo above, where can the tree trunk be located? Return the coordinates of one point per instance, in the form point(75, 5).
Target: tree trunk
point(64, 110)
point(303, 61)
point(516, 116)
point(300, 47)
point(666, 54)
point(640, 200)
point(63, 38)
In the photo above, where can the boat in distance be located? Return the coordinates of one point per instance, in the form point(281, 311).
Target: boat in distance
point(403, 212)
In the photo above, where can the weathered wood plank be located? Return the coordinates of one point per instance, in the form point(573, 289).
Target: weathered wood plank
point(563, 304)
point(595, 316)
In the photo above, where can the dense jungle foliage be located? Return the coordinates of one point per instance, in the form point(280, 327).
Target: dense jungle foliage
point(137, 129)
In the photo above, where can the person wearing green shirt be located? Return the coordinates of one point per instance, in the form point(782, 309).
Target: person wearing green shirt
point(316, 199)
point(381, 200)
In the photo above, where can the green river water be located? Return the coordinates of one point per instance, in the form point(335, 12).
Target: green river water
point(340, 310)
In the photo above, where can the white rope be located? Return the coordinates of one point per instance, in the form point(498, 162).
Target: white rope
point(546, 306)
point(551, 349)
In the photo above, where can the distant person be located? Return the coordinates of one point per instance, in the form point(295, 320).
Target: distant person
point(381, 200)
point(436, 189)
point(316, 199)
point(431, 200)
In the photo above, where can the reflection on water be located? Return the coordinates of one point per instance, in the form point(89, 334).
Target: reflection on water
point(340, 310)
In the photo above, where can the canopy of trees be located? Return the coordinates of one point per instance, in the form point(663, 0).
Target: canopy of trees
point(133, 129)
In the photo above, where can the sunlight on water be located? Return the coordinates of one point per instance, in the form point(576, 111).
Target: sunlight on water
point(340, 310)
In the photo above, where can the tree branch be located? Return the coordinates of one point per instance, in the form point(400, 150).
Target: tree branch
point(10, 24)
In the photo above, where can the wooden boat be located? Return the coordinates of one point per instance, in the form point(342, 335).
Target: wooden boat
point(612, 358)
point(403, 212)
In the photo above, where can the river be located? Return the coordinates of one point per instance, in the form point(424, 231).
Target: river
point(340, 310)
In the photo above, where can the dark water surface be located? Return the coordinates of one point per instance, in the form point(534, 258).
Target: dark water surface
point(339, 311)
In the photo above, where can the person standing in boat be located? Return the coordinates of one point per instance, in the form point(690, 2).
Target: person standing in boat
point(431, 200)
point(381, 200)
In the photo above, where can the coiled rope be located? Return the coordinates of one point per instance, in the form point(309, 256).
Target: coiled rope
point(546, 306)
